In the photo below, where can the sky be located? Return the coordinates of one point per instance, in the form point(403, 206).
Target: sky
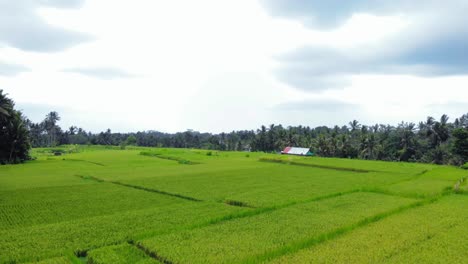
point(223, 65)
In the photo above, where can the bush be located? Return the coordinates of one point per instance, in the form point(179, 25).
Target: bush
point(123, 145)
point(465, 166)
point(61, 151)
point(131, 140)
point(209, 153)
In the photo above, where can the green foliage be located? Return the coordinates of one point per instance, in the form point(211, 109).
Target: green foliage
point(184, 161)
point(123, 145)
point(431, 141)
point(460, 144)
point(131, 140)
point(14, 134)
point(53, 130)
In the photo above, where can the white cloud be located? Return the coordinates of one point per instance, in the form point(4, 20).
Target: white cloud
point(7, 69)
point(22, 28)
point(207, 65)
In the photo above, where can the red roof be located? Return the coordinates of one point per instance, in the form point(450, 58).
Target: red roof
point(286, 150)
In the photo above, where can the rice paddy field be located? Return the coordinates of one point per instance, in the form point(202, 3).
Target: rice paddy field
point(151, 205)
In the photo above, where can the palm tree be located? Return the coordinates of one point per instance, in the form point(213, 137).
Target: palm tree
point(50, 124)
point(354, 125)
point(3, 110)
point(292, 137)
point(5, 104)
point(441, 130)
point(428, 126)
point(407, 140)
point(323, 146)
point(72, 130)
point(333, 144)
point(375, 128)
point(444, 119)
point(368, 146)
point(19, 141)
point(14, 134)
point(407, 134)
point(464, 121)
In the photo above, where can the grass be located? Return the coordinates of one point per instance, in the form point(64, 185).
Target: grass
point(465, 166)
point(148, 205)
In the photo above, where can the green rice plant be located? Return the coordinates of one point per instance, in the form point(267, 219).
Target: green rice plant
point(119, 254)
point(261, 185)
point(174, 158)
point(38, 242)
point(57, 260)
point(432, 183)
point(290, 162)
point(433, 233)
point(95, 199)
point(57, 204)
point(247, 238)
point(366, 165)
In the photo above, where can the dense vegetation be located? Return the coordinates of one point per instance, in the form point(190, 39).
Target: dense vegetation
point(14, 134)
point(102, 204)
point(431, 141)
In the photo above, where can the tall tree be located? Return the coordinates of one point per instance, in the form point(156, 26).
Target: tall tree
point(460, 144)
point(14, 134)
point(50, 124)
point(354, 125)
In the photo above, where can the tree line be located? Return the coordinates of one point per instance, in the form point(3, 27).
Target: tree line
point(431, 141)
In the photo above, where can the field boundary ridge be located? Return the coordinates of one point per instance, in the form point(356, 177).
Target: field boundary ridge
point(166, 157)
point(150, 253)
point(140, 188)
point(296, 163)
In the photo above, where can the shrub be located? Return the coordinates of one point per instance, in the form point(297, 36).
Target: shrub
point(58, 152)
point(123, 145)
point(131, 140)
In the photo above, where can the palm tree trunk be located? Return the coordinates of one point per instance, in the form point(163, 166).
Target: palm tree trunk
point(11, 150)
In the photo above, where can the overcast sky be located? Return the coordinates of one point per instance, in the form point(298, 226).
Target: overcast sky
point(222, 65)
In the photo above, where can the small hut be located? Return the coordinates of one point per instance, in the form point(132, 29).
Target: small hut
point(297, 151)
